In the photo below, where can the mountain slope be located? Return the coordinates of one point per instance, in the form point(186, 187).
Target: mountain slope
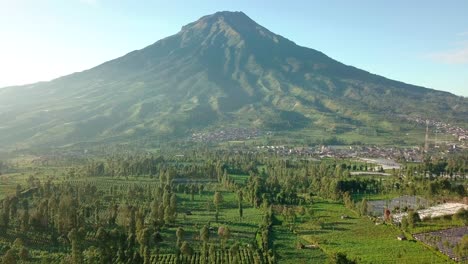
point(223, 69)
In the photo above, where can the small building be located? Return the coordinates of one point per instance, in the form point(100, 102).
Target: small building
point(401, 237)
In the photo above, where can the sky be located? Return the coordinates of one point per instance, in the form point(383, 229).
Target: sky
point(422, 42)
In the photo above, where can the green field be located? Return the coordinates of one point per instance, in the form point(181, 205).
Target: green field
point(286, 219)
point(361, 239)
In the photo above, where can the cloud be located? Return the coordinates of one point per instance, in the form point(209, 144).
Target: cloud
point(455, 56)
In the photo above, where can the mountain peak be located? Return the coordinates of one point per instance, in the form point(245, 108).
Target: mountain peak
point(234, 19)
point(222, 70)
point(235, 26)
point(230, 14)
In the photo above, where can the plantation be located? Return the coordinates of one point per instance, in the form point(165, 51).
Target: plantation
point(204, 207)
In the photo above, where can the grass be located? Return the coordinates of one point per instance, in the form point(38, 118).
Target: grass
point(242, 231)
point(361, 239)
point(434, 224)
point(239, 178)
point(8, 184)
point(285, 243)
point(374, 197)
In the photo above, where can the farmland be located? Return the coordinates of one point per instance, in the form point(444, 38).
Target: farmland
point(445, 240)
point(360, 238)
point(206, 207)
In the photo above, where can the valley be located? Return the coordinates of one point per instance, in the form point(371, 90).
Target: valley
point(226, 143)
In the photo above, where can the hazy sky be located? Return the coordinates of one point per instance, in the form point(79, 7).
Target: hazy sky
point(419, 42)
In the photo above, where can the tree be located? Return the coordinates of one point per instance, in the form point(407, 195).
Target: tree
point(404, 223)
point(234, 250)
point(310, 212)
point(186, 249)
point(461, 215)
point(137, 258)
point(217, 200)
point(10, 257)
point(144, 237)
point(96, 213)
point(364, 207)
point(18, 243)
point(140, 221)
point(212, 253)
point(180, 235)
point(113, 212)
point(224, 233)
point(348, 201)
point(241, 209)
point(25, 217)
point(155, 212)
point(132, 220)
point(147, 255)
point(167, 215)
point(340, 258)
point(91, 255)
point(301, 211)
point(192, 192)
point(204, 254)
point(205, 234)
point(5, 214)
point(173, 205)
point(74, 236)
point(161, 213)
point(67, 213)
point(413, 218)
point(166, 198)
point(387, 215)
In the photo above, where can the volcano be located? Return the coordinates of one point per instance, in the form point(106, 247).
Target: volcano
point(223, 70)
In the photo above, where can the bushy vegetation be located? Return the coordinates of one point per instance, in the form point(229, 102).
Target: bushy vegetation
point(206, 206)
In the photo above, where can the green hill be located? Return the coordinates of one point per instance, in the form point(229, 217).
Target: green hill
point(222, 70)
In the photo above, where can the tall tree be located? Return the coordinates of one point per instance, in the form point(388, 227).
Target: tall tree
point(205, 234)
point(25, 216)
point(180, 235)
point(74, 238)
point(240, 198)
point(10, 257)
point(234, 250)
point(144, 237)
point(186, 249)
point(364, 207)
point(217, 200)
point(212, 253)
point(224, 233)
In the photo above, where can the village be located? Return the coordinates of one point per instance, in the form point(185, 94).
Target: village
point(440, 127)
point(227, 134)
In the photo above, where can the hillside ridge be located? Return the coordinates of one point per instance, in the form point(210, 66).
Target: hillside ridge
point(221, 70)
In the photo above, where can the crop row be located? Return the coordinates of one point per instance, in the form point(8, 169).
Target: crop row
point(244, 256)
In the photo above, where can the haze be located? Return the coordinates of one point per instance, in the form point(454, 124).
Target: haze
point(421, 42)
